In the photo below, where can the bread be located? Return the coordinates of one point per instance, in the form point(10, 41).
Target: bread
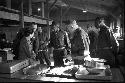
point(35, 70)
point(82, 71)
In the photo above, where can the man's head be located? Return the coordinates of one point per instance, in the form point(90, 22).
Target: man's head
point(71, 25)
point(55, 25)
point(99, 21)
point(28, 32)
point(39, 29)
point(34, 26)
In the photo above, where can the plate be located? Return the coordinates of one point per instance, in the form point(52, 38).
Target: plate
point(99, 60)
point(104, 74)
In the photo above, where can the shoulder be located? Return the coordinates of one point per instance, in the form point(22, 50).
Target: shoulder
point(78, 30)
point(23, 40)
point(62, 31)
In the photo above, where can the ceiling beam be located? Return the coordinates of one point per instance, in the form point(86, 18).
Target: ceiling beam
point(90, 8)
point(52, 5)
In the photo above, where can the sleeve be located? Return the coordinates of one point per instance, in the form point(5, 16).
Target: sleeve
point(114, 43)
point(25, 49)
point(86, 40)
point(67, 41)
point(36, 44)
point(50, 40)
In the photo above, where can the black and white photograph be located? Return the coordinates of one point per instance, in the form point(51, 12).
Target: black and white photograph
point(62, 41)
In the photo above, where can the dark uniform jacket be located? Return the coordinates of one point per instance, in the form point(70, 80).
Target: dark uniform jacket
point(106, 39)
point(59, 39)
point(35, 42)
point(79, 42)
point(107, 46)
point(43, 40)
point(2, 40)
point(25, 49)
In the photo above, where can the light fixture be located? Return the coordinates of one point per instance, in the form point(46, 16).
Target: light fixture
point(39, 9)
point(84, 10)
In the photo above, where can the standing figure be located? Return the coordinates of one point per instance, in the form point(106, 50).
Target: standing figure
point(2, 39)
point(107, 44)
point(43, 43)
point(79, 42)
point(35, 39)
point(16, 43)
point(60, 42)
point(93, 36)
point(26, 47)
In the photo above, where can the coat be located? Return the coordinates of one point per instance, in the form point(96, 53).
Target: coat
point(25, 49)
point(79, 42)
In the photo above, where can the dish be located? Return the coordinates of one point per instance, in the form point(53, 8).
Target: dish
point(95, 70)
point(99, 60)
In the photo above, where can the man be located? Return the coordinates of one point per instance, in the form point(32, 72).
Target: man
point(35, 38)
point(107, 45)
point(43, 49)
point(93, 36)
point(60, 42)
point(2, 40)
point(25, 47)
point(79, 42)
point(16, 43)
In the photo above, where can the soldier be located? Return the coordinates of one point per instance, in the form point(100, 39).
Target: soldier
point(25, 48)
point(43, 49)
point(35, 39)
point(60, 42)
point(93, 36)
point(2, 40)
point(107, 45)
point(79, 42)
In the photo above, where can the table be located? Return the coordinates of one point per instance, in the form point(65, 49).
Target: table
point(20, 77)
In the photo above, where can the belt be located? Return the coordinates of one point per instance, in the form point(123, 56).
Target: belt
point(105, 48)
point(42, 50)
point(59, 48)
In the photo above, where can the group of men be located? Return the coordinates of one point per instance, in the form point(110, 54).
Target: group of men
point(74, 41)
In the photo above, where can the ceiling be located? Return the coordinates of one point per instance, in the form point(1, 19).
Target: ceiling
point(102, 7)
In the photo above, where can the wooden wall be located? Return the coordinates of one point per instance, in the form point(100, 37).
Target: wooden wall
point(10, 32)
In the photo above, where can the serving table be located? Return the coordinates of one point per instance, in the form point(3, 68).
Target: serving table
point(19, 76)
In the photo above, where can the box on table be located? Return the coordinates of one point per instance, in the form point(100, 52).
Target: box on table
point(6, 54)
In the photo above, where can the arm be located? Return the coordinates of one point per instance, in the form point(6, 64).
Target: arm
point(51, 40)
point(86, 42)
point(24, 50)
point(67, 41)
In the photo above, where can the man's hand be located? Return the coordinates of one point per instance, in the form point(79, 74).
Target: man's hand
point(88, 58)
point(68, 51)
point(86, 53)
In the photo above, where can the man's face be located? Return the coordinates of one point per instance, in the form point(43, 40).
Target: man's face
point(31, 35)
point(73, 26)
point(101, 22)
point(70, 29)
point(34, 27)
point(39, 29)
point(56, 27)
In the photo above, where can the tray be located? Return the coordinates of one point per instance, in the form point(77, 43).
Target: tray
point(65, 72)
point(104, 75)
point(36, 69)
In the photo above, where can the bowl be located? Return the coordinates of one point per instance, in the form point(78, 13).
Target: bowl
point(94, 70)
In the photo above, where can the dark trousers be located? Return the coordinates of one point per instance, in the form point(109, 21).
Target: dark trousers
point(58, 57)
point(106, 54)
point(42, 55)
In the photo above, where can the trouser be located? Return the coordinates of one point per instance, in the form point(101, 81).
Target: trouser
point(42, 55)
point(58, 57)
point(77, 58)
point(106, 54)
